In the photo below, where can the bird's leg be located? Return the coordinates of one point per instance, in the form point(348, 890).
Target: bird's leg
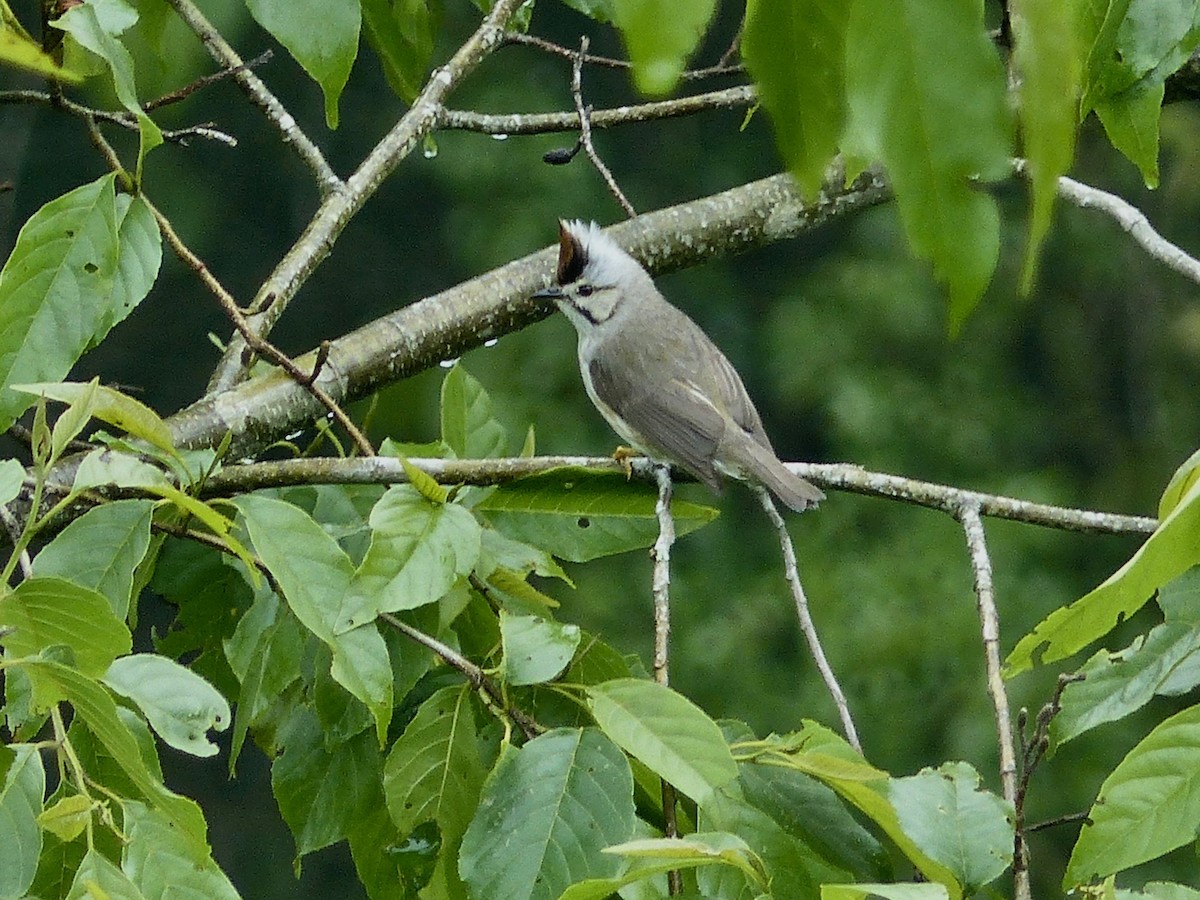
point(625, 456)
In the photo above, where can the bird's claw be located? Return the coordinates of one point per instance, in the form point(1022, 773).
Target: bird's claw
point(625, 456)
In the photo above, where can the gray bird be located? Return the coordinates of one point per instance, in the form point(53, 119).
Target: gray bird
point(663, 386)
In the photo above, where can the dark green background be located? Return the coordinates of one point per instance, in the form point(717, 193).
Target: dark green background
point(1083, 393)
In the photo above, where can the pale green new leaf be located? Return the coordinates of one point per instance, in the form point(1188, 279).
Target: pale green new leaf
point(1051, 70)
point(1171, 550)
point(949, 816)
point(667, 732)
point(547, 813)
point(179, 704)
point(660, 35)
point(887, 891)
point(45, 612)
point(67, 818)
point(433, 771)
point(55, 289)
point(108, 405)
point(20, 50)
point(580, 515)
point(12, 477)
point(97, 25)
point(101, 549)
point(138, 262)
point(701, 848)
point(796, 52)
point(162, 864)
point(536, 649)
point(1148, 806)
point(469, 427)
point(321, 35)
point(22, 788)
point(927, 97)
point(98, 878)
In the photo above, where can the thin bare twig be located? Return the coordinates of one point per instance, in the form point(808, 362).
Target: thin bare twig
point(13, 527)
point(585, 131)
point(473, 673)
point(205, 80)
point(807, 627)
point(722, 67)
point(989, 621)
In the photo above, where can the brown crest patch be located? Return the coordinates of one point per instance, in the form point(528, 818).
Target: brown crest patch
point(571, 255)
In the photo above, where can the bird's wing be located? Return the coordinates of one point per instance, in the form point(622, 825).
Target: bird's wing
point(674, 418)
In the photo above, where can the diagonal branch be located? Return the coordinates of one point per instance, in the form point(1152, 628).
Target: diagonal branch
point(341, 205)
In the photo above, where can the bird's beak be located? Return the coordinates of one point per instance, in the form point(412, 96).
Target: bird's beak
point(553, 292)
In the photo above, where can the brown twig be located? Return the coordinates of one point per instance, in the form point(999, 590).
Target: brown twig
point(722, 67)
point(473, 673)
point(585, 131)
point(205, 80)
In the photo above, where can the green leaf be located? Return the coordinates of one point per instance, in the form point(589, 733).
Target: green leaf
point(67, 818)
point(1171, 550)
point(109, 406)
point(20, 50)
point(660, 35)
point(45, 611)
point(12, 478)
point(96, 878)
point(1130, 120)
point(1098, 23)
point(579, 515)
point(1166, 661)
point(548, 811)
point(179, 704)
point(796, 51)
point(99, 713)
point(886, 891)
point(22, 788)
point(468, 426)
point(936, 119)
point(597, 10)
point(536, 649)
point(101, 549)
point(96, 25)
point(433, 772)
point(138, 262)
point(419, 549)
point(1148, 806)
point(55, 289)
point(955, 822)
point(667, 732)
point(1051, 70)
point(1181, 483)
point(402, 34)
point(321, 790)
point(321, 35)
point(162, 864)
point(701, 848)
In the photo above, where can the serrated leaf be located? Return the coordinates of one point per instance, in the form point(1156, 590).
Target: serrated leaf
point(468, 426)
point(419, 549)
point(935, 119)
point(321, 35)
point(17, 49)
point(96, 25)
point(402, 35)
point(109, 406)
point(138, 262)
point(21, 791)
point(1130, 120)
point(99, 713)
point(45, 612)
point(796, 51)
point(67, 818)
point(700, 848)
point(98, 879)
point(548, 811)
point(954, 821)
point(660, 35)
point(314, 574)
point(1170, 551)
point(321, 791)
point(536, 649)
point(101, 549)
point(1148, 806)
point(424, 483)
point(162, 865)
point(433, 771)
point(1051, 71)
point(55, 289)
point(579, 515)
point(667, 732)
point(180, 705)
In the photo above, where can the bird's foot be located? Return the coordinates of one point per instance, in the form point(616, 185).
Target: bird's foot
point(625, 456)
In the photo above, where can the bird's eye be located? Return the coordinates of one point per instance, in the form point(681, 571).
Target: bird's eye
point(585, 290)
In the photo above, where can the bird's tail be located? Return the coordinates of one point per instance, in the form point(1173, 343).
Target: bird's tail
point(789, 487)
